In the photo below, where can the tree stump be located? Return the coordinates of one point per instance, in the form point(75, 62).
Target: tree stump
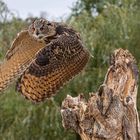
point(111, 112)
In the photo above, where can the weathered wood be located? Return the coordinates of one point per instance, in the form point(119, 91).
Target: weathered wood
point(111, 112)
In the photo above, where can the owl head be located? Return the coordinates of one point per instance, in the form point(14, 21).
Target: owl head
point(42, 28)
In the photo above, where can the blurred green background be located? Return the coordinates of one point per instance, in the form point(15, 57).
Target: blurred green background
point(104, 26)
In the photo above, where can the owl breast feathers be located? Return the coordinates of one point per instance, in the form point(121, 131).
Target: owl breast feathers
point(45, 57)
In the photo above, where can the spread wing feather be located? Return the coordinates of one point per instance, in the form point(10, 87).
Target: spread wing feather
point(53, 66)
point(18, 58)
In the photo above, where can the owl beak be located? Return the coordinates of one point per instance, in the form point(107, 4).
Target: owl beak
point(40, 36)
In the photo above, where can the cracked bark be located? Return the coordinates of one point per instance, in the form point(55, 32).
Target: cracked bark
point(111, 112)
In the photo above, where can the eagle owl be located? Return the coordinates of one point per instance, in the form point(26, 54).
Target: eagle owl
point(44, 58)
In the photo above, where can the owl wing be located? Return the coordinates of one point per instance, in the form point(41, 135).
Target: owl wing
point(53, 66)
point(16, 44)
point(18, 57)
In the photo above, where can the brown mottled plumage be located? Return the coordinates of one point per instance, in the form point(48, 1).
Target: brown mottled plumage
point(48, 56)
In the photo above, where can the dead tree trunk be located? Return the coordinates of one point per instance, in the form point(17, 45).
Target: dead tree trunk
point(111, 112)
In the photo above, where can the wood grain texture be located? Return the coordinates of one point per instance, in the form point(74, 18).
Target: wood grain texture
point(111, 112)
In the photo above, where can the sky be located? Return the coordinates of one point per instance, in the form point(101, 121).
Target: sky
point(55, 9)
